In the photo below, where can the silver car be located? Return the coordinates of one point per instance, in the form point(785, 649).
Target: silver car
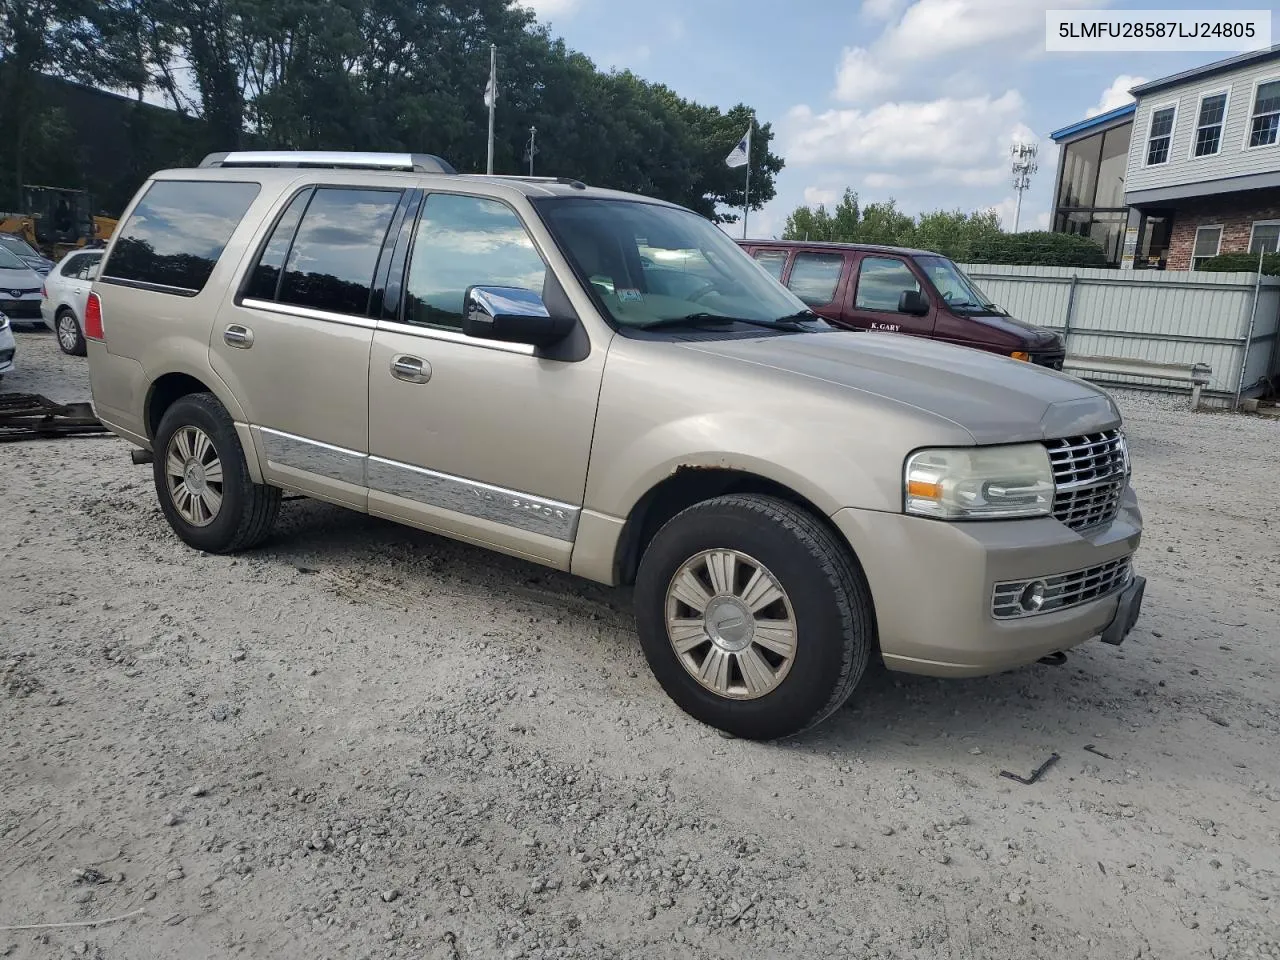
point(66, 290)
point(7, 346)
point(19, 289)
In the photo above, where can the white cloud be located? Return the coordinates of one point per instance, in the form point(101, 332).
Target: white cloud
point(932, 28)
point(884, 181)
point(813, 196)
point(549, 8)
point(932, 133)
point(1116, 95)
point(859, 78)
point(881, 9)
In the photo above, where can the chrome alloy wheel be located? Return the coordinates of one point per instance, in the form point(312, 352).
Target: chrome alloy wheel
point(731, 624)
point(68, 332)
point(194, 475)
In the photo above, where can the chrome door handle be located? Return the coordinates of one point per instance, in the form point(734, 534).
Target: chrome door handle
point(410, 369)
point(238, 336)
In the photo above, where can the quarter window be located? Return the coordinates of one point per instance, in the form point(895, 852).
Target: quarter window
point(331, 262)
point(462, 242)
point(1161, 135)
point(1266, 114)
point(1209, 125)
point(1208, 242)
point(815, 276)
point(83, 267)
point(881, 283)
point(177, 232)
point(773, 260)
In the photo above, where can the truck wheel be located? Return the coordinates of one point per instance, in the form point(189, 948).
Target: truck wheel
point(203, 482)
point(753, 616)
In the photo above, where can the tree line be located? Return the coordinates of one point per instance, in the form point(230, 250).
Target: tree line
point(399, 75)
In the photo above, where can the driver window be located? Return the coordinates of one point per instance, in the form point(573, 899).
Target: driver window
point(881, 281)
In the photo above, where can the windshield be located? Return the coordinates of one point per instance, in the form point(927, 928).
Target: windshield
point(958, 290)
point(9, 262)
point(18, 245)
point(652, 264)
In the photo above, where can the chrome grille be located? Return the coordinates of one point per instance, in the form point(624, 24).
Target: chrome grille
point(1063, 591)
point(1089, 474)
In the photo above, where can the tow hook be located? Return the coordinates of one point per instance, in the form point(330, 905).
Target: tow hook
point(1054, 659)
point(140, 456)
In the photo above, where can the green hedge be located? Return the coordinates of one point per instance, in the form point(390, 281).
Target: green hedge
point(1243, 263)
point(1038, 248)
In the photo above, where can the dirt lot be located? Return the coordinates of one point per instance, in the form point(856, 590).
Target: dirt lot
point(365, 741)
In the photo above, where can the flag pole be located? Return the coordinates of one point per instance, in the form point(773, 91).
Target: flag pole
point(493, 99)
point(746, 199)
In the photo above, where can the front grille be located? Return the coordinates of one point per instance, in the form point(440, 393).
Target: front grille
point(20, 309)
point(1061, 592)
point(1053, 361)
point(1089, 476)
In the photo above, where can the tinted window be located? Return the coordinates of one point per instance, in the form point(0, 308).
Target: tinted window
point(814, 277)
point(266, 273)
point(773, 261)
point(881, 281)
point(331, 263)
point(177, 232)
point(81, 267)
point(462, 242)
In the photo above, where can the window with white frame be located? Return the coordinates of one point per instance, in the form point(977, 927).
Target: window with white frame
point(1209, 120)
point(1265, 237)
point(1266, 114)
point(1161, 135)
point(1208, 243)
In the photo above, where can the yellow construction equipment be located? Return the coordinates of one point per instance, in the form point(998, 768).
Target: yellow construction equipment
point(56, 220)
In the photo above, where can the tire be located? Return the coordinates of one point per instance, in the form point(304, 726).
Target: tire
point(67, 330)
point(245, 511)
point(823, 592)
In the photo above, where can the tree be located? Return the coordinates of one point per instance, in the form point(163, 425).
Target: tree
point(952, 233)
point(816, 224)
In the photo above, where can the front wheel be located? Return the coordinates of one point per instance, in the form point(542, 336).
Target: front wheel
point(203, 481)
point(754, 618)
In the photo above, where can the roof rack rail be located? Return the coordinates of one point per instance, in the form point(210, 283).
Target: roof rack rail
point(568, 181)
point(350, 160)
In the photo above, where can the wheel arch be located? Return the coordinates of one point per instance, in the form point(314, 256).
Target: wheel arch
point(168, 388)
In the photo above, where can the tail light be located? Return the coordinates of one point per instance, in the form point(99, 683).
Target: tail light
point(44, 293)
point(93, 318)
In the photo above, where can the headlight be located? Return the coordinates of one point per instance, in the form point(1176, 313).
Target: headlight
point(4, 321)
point(980, 483)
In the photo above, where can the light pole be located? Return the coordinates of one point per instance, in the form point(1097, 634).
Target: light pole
point(1024, 167)
point(531, 148)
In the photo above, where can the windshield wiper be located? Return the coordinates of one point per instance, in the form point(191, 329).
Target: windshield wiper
point(695, 319)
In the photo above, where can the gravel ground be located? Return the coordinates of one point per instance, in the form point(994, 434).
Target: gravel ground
point(365, 741)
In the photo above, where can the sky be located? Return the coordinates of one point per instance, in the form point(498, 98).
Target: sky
point(918, 100)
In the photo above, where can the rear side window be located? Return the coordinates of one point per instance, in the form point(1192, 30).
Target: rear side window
point(81, 267)
point(814, 277)
point(176, 234)
point(331, 262)
point(773, 261)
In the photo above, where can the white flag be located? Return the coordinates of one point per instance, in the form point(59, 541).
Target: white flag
point(740, 155)
point(488, 93)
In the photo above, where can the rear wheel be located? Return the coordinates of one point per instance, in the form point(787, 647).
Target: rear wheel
point(203, 482)
point(70, 339)
point(753, 616)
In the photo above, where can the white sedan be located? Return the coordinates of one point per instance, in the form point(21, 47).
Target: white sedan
point(66, 290)
point(7, 346)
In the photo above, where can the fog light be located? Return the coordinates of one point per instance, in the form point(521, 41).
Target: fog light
point(1032, 596)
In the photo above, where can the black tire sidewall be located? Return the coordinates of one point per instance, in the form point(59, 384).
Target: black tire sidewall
point(220, 534)
point(822, 641)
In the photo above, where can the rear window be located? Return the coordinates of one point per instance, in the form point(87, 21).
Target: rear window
point(176, 234)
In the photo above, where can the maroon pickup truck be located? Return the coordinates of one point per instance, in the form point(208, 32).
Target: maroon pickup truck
point(915, 292)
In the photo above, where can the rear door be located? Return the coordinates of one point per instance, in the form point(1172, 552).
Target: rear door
point(819, 278)
point(879, 281)
point(293, 344)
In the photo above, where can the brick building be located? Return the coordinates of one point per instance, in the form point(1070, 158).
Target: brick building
point(1201, 174)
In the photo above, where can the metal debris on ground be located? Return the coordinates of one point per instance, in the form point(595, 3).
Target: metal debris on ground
point(1098, 753)
point(29, 416)
point(1035, 774)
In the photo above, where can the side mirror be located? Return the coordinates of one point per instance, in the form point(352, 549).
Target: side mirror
point(511, 315)
point(913, 302)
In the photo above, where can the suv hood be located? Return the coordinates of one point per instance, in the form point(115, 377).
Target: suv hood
point(995, 399)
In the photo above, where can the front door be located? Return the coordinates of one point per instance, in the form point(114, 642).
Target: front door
point(477, 439)
point(879, 283)
point(294, 344)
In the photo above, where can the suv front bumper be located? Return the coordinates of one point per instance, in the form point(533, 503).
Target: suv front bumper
point(933, 581)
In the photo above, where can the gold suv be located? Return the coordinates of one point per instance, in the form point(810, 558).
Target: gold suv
point(606, 384)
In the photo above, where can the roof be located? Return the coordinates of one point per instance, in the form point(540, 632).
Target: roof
point(836, 245)
point(1209, 70)
point(1082, 126)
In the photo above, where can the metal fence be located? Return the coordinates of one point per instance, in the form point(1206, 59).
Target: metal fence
point(1226, 320)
